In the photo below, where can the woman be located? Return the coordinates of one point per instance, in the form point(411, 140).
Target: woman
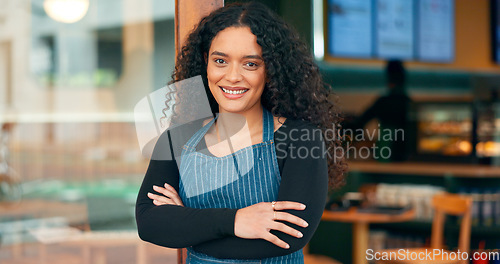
point(255, 67)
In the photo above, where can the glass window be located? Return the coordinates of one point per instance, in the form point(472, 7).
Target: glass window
point(71, 73)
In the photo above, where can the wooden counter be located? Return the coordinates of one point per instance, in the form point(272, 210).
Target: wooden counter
point(360, 227)
point(74, 213)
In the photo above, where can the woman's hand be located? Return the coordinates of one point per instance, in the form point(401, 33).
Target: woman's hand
point(257, 220)
point(171, 196)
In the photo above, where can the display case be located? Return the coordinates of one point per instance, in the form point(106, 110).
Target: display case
point(443, 131)
point(457, 131)
point(487, 132)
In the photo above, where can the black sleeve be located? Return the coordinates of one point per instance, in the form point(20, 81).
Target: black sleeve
point(371, 112)
point(176, 226)
point(305, 180)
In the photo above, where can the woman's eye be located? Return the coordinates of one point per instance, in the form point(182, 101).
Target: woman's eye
point(251, 64)
point(219, 61)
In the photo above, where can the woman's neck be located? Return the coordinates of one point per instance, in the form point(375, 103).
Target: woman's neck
point(243, 123)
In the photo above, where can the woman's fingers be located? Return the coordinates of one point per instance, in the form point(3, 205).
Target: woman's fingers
point(175, 196)
point(257, 220)
point(287, 230)
point(160, 200)
point(156, 202)
point(275, 240)
point(286, 205)
point(170, 193)
point(291, 219)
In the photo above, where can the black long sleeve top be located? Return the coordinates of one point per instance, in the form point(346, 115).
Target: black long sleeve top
point(304, 178)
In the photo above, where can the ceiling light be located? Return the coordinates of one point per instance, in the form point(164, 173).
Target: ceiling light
point(66, 11)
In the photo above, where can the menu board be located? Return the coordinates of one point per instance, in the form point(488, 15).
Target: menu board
point(420, 30)
point(394, 29)
point(351, 28)
point(435, 30)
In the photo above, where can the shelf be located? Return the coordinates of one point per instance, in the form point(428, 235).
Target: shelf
point(444, 134)
point(496, 134)
point(414, 226)
point(426, 169)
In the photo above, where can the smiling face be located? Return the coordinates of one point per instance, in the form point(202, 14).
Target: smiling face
point(235, 70)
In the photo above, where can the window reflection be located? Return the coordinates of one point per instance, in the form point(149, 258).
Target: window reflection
point(67, 93)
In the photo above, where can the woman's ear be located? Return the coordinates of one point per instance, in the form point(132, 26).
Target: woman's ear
point(205, 57)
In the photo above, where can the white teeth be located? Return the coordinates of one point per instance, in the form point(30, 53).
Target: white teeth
point(234, 92)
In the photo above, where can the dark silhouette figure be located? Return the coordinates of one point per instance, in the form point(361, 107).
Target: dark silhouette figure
point(392, 112)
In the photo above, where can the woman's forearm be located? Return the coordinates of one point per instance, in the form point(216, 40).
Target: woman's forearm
point(176, 226)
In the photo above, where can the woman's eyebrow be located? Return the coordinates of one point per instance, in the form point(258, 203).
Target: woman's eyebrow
point(218, 53)
point(253, 57)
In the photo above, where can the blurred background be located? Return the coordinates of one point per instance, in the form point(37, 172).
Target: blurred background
point(71, 73)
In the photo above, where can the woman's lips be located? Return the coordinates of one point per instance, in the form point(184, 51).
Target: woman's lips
point(233, 92)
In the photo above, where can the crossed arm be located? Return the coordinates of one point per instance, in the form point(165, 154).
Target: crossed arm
point(212, 231)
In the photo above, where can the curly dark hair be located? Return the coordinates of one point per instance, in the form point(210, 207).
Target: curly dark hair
point(294, 88)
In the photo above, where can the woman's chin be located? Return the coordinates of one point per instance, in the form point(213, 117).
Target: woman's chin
point(239, 105)
point(231, 108)
point(230, 105)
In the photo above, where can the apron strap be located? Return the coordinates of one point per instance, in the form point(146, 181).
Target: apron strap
point(268, 126)
point(267, 129)
point(193, 141)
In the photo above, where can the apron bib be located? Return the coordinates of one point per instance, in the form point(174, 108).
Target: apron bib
point(243, 178)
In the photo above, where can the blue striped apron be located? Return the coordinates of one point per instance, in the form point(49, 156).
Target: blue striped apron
point(246, 177)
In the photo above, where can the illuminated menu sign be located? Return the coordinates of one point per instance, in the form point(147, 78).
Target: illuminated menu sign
point(392, 29)
point(351, 24)
point(435, 31)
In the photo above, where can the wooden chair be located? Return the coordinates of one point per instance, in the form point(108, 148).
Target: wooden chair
point(451, 204)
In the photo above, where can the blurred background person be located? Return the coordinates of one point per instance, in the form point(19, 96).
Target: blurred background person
point(391, 110)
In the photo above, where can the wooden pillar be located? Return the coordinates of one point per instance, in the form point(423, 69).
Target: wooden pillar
point(187, 14)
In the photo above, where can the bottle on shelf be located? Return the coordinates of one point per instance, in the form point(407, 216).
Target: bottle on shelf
point(476, 207)
point(487, 208)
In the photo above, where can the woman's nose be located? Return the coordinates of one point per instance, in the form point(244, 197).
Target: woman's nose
point(233, 74)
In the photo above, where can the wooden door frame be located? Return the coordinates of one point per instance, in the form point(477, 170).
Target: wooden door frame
point(188, 14)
